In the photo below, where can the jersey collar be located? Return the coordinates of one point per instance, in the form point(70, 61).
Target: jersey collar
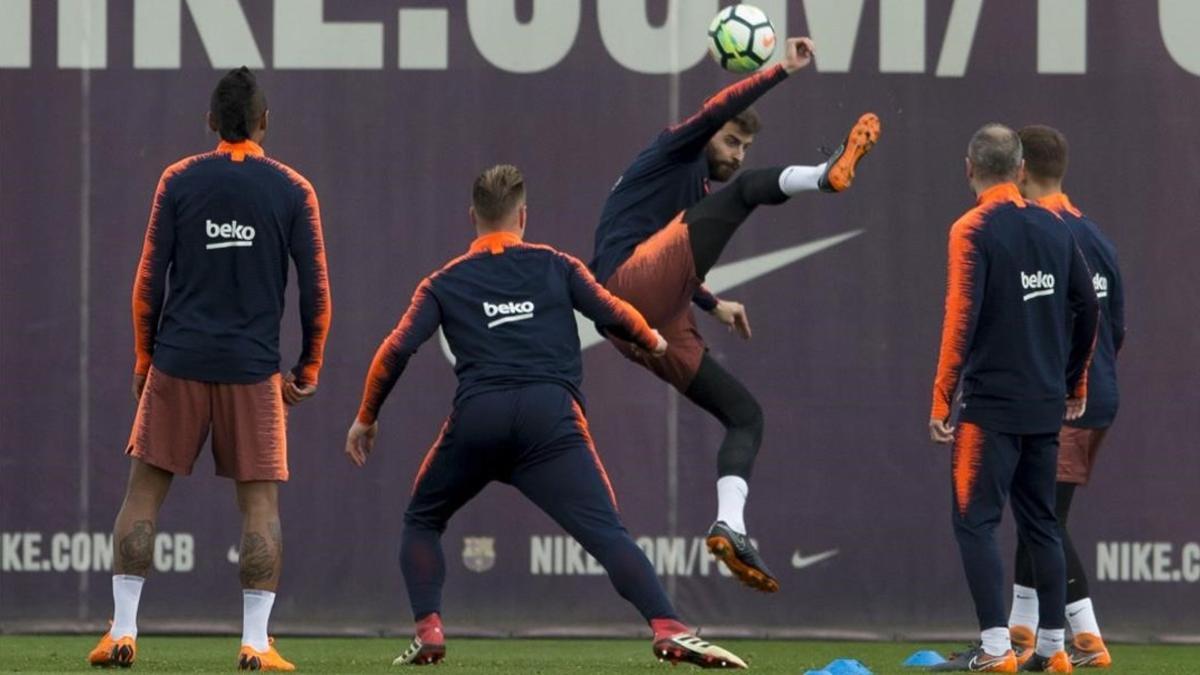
point(1004, 192)
point(495, 242)
point(238, 151)
point(1058, 203)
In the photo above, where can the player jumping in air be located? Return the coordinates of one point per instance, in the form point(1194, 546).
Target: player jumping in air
point(1079, 440)
point(507, 309)
point(224, 224)
point(658, 238)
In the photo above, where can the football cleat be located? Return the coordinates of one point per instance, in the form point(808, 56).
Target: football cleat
point(1059, 663)
point(1022, 636)
point(251, 659)
point(421, 653)
point(110, 652)
point(839, 170)
point(1089, 651)
point(975, 660)
point(1023, 641)
point(740, 556)
point(687, 648)
point(428, 645)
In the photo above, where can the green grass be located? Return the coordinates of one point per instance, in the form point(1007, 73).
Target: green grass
point(60, 654)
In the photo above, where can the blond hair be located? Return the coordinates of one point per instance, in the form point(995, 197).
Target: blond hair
point(497, 192)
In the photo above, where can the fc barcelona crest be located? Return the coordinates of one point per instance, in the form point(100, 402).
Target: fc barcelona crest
point(479, 553)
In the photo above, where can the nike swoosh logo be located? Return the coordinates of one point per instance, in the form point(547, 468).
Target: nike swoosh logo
point(720, 278)
point(232, 555)
point(801, 561)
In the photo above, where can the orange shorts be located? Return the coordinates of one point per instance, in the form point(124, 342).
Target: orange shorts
point(659, 279)
point(1077, 450)
point(248, 424)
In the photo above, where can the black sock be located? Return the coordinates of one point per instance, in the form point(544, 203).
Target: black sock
point(713, 220)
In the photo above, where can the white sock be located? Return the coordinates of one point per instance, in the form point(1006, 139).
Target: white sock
point(1082, 617)
point(1050, 641)
point(127, 592)
point(1024, 607)
point(995, 641)
point(731, 502)
point(797, 179)
point(256, 611)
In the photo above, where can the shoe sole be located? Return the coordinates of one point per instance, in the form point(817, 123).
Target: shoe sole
point(723, 550)
point(859, 142)
point(248, 662)
point(674, 654)
point(1093, 661)
point(427, 656)
point(121, 656)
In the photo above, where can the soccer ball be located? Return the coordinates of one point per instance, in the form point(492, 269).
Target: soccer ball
point(741, 38)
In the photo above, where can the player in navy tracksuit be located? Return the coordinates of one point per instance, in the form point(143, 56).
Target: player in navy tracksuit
point(208, 299)
point(1079, 440)
point(1019, 324)
point(507, 309)
point(658, 238)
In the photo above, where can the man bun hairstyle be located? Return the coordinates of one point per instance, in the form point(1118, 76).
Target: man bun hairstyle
point(237, 105)
point(1045, 152)
point(497, 192)
point(995, 153)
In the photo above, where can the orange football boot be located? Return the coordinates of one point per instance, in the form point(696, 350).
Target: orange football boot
point(110, 652)
point(839, 170)
point(251, 659)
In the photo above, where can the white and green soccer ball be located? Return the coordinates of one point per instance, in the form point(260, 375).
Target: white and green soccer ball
point(741, 38)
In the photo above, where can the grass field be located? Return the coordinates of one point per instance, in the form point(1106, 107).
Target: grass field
point(61, 654)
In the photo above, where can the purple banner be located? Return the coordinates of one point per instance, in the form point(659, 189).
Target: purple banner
point(391, 108)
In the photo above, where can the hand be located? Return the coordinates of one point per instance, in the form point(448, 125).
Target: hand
point(359, 442)
point(733, 314)
point(293, 393)
point(798, 53)
point(660, 349)
point(1075, 408)
point(940, 431)
point(139, 384)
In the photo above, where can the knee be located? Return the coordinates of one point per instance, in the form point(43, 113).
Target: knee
point(967, 528)
point(747, 416)
point(258, 499)
point(1039, 537)
point(417, 523)
point(144, 496)
point(147, 486)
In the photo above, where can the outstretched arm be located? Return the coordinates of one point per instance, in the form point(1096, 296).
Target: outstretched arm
point(690, 135)
point(612, 314)
point(416, 326)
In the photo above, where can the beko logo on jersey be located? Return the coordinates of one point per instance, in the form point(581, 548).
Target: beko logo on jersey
point(229, 234)
point(1100, 284)
point(1038, 284)
point(508, 312)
